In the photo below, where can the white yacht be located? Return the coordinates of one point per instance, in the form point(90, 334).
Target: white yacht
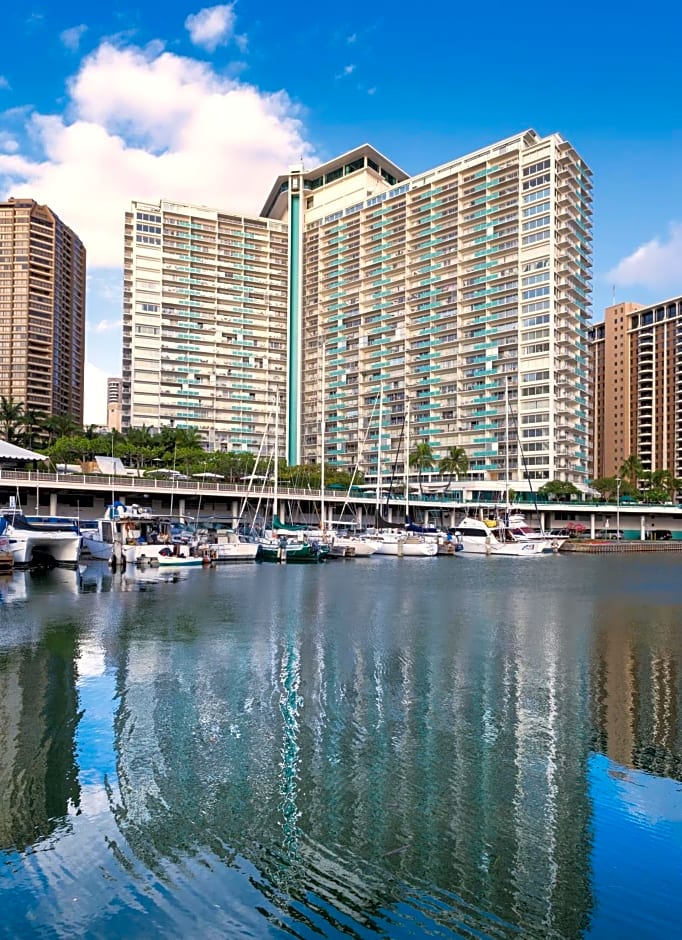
point(478, 538)
point(37, 540)
point(404, 544)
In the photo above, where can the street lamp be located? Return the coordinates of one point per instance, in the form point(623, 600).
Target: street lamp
point(618, 481)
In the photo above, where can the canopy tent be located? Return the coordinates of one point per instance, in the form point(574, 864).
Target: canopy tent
point(208, 476)
point(12, 452)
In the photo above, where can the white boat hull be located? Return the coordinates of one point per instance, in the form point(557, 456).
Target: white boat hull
point(406, 547)
point(233, 551)
point(478, 539)
point(32, 547)
point(96, 548)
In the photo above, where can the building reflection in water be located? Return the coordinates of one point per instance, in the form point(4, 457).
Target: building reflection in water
point(393, 760)
point(637, 688)
point(38, 719)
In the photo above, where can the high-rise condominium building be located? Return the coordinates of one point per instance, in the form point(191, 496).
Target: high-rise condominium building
point(204, 323)
point(42, 310)
point(423, 303)
point(635, 360)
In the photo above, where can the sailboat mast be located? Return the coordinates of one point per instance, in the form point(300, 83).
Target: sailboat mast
point(274, 495)
point(381, 422)
point(407, 459)
point(322, 433)
point(506, 426)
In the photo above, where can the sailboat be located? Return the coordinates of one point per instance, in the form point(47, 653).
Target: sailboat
point(496, 536)
point(391, 538)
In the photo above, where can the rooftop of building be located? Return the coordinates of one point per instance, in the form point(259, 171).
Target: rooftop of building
point(331, 170)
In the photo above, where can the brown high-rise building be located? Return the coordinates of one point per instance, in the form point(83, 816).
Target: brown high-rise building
point(42, 310)
point(637, 387)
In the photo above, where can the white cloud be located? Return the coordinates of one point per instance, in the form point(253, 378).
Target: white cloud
point(95, 397)
point(348, 69)
point(147, 124)
point(212, 26)
point(8, 143)
point(352, 38)
point(657, 264)
point(3, 82)
point(105, 326)
point(71, 38)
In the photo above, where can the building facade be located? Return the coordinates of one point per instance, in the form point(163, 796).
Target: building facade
point(450, 308)
point(42, 310)
point(114, 394)
point(204, 323)
point(636, 358)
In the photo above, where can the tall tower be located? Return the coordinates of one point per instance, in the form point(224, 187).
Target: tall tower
point(637, 350)
point(42, 310)
point(204, 323)
point(447, 288)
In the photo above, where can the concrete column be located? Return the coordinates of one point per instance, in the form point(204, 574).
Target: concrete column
point(593, 530)
point(53, 504)
point(359, 516)
point(235, 509)
point(181, 506)
point(642, 528)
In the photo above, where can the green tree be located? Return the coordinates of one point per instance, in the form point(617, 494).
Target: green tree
point(422, 458)
point(60, 426)
point(561, 489)
point(455, 463)
point(608, 488)
point(11, 418)
point(631, 470)
point(33, 424)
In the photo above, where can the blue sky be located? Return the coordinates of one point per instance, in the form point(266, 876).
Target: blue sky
point(209, 103)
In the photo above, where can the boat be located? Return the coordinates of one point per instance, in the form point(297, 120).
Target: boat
point(404, 544)
point(497, 536)
point(516, 522)
point(40, 541)
point(288, 551)
point(97, 539)
point(176, 558)
point(223, 544)
point(139, 536)
point(480, 538)
point(6, 556)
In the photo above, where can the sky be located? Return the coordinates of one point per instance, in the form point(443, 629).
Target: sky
point(208, 104)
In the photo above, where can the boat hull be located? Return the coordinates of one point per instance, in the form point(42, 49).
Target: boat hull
point(171, 561)
point(290, 554)
point(409, 547)
point(37, 548)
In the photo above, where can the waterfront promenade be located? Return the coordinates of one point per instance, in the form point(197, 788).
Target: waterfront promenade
point(87, 495)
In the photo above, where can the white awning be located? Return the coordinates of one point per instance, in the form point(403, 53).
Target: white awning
point(12, 452)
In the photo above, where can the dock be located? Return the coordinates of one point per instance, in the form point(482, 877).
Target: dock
point(623, 546)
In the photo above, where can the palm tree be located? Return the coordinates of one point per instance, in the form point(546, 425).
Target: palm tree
point(631, 470)
point(11, 418)
point(455, 463)
point(33, 423)
point(421, 458)
point(60, 426)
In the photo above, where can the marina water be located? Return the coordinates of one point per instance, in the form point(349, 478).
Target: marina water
point(470, 747)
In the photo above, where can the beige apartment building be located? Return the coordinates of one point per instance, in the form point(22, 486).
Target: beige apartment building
point(204, 323)
point(42, 310)
point(636, 361)
point(404, 309)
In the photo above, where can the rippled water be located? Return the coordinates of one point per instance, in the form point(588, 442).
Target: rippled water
point(374, 748)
